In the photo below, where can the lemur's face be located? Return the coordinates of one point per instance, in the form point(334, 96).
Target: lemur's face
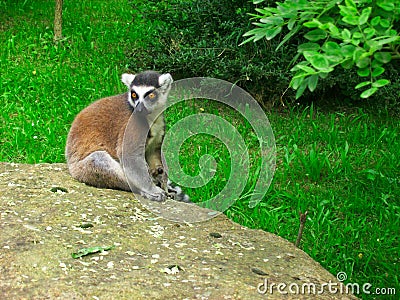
point(145, 98)
point(148, 91)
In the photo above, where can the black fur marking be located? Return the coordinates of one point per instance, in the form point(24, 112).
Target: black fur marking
point(131, 108)
point(149, 92)
point(147, 78)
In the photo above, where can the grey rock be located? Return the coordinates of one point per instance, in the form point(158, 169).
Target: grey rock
point(46, 215)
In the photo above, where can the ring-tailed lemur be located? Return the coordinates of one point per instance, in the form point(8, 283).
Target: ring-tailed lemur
point(95, 140)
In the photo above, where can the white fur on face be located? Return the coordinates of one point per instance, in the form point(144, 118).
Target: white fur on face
point(140, 91)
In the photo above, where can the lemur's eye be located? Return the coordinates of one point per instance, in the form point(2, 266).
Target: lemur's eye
point(152, 95)
point(134, 95)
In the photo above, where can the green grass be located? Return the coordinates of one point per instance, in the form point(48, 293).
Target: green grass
point(44, 85)
point(342, 167)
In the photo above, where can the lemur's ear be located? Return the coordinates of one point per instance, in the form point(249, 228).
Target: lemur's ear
point(165, 79)
point(127, 79)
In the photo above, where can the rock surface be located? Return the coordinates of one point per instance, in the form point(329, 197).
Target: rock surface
point(46, 216)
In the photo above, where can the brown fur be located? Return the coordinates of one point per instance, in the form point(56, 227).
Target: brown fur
point(99, 126)
point(95, 142)
point(110, 144)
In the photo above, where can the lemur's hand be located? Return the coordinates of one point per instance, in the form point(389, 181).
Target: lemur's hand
point(160, 177)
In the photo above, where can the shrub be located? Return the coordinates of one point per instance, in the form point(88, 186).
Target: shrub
point(337, 33)
point(201, 38)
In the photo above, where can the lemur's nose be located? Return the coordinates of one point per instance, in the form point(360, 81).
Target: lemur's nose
point(140, 107)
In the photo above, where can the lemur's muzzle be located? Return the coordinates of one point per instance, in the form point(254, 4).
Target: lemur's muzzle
point(140, 108)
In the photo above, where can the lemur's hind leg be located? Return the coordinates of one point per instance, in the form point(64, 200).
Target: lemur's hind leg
point(101, 170)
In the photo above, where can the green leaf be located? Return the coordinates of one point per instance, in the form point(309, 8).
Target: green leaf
point(369, 32)
point(334, 59)
point(368, 92)
point(315, 35)
point(296, 82)
point(383, 57)
point(355, 42)
point(288, 36)
point(375, 64)
point(348, 50)
point(306, 69)
point(323, 75)
point(357, 53)
point(385, 23)
point(372, 45)
point(334, 31)
point(363, 62)
point(246, 41)
point(380, 83)
point(316, 59)
point(254, 31)
point(352, 20)
point(371, 174)
point(377, 71)
point(350, 3)
point(389, 40)
point(301, 88)
point(364, 72)
point(388, 6)
point(366, 12)
point(260, 33)
point(392, 32)
point(348, 11)
point(91, 250)
point(312, 82)
point(312, 24)
point(308, 47)
point(347, 64)
point(331, 48)
point(346, 35)
point(362, 84)
point(375, 21)
point(357, 35)
point(258, 37)
point(266, 11)
point(271, 33)
point(291, 23)
point(273, 20)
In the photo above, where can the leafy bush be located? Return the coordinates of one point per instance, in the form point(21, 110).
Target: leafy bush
point(344, 33)
point(201, 38)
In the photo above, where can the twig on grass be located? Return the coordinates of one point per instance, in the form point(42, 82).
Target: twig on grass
point(303, 219)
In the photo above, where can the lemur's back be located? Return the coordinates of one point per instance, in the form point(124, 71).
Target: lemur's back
point(99, 127)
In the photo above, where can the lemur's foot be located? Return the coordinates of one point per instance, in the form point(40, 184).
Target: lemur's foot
point(157, 194)
point(176, 193)
point(160, 179)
